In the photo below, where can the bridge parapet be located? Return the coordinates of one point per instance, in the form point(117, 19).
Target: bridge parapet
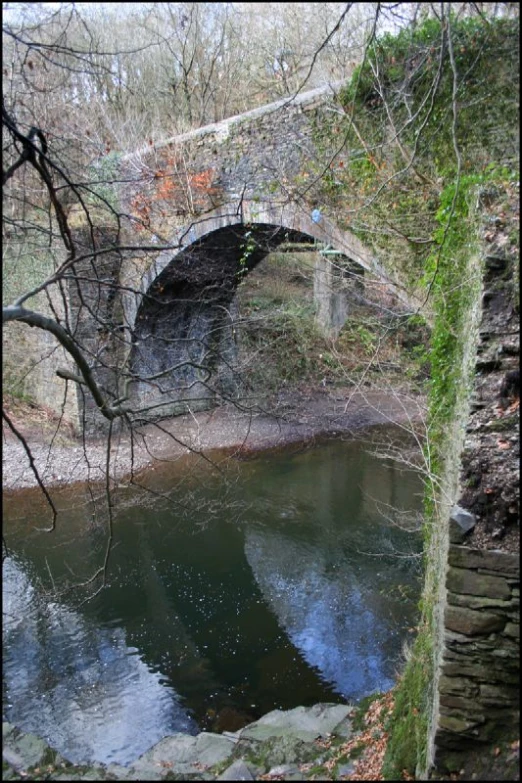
point(263, 154)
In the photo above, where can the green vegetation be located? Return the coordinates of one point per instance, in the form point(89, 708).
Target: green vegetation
point(431, 122)
point(408, 723)
point(103, 179)
point(427, 108)
point(280, 342)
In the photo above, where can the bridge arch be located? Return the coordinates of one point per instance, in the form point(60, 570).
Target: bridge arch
point(182, 318)
point(286, 215)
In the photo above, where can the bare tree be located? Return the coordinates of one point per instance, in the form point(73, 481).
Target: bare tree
point(59, 61)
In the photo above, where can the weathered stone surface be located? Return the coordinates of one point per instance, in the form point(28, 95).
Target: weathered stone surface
point(22, 750)
point(455, 640)
point(458, 685)
point(237, 771)
point(461, 523)
point(510, 606)
point(305, 723)
point(450, 702)
point(487, 559)
point(507, 651)
point(116, 771)
point(285, 770)
point(498, 694)
point(186, 757)
point(263, 754)
point(471, 622)
point(460, 725)
point(183, 753)
point(482, 607)
point(462, 580)
point(489, 670)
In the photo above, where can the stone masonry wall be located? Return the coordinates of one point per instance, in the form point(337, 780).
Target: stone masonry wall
point(262, 154)
point(479, 689)
point(479, 684)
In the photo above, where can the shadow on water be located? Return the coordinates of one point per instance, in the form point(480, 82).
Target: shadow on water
point(287, 583)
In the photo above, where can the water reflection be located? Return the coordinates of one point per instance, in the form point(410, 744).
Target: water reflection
point(91, 694)
point(274, 603)
point(323, 607)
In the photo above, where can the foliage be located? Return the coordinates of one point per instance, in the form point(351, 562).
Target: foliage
point(408, 722)
point(409, 65)
point(104, 177)
point(446, 91)
point(426, 106)
point(248, 248)
point(280, 344)
point(451, 287)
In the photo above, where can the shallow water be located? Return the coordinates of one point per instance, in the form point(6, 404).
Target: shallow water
point(280, 581)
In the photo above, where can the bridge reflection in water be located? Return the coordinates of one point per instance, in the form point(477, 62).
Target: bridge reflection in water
point(292, 593)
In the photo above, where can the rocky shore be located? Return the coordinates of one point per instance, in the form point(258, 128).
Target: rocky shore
point(291, 745)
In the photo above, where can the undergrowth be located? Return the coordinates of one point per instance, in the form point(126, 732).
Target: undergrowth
point(430, 120)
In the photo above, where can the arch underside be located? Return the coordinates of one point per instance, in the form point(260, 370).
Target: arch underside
point(184, 340)
point(184, 353)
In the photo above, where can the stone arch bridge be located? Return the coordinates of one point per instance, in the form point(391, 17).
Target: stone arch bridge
point(220, 199)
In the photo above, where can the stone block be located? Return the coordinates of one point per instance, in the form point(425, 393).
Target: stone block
point(450, 702)
point(183, 754)
point(455, 640)
point(304, 723)
point(498, 695)
point(471, 622)
point(507, 651)
point(464, 581)
point(488, 559)
point(461, 522)
point(508, 607)
point(458, 725)
point(481, 669)
point(237, 771)
point(460, 686)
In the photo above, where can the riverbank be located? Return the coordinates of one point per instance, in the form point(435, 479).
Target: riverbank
point(296, 416)
point(322, 742)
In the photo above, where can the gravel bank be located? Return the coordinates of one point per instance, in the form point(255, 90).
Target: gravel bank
point(61, 459)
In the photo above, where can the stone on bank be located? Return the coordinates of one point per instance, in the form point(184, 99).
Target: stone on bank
point(280, 740)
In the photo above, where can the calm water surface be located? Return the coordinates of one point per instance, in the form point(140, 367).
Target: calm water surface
point(280, 581)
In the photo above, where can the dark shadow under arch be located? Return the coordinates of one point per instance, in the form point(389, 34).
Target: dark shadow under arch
point(183, 340)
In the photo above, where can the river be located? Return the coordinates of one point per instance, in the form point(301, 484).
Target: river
point(287, 579)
